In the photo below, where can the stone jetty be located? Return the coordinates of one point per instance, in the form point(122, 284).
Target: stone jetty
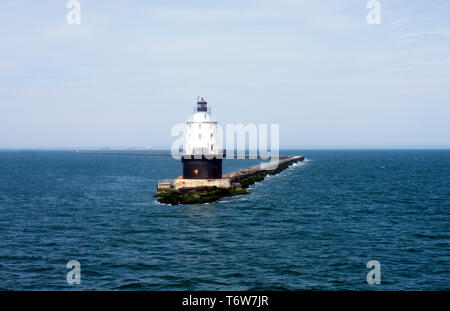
point(195, 191)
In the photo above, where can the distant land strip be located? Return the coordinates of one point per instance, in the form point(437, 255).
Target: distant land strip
point(124, 153)
point(168, 154)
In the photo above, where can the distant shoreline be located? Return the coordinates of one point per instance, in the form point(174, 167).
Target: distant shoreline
point(164, 150)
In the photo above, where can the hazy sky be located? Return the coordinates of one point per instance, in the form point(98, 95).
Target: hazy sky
point(132, 69)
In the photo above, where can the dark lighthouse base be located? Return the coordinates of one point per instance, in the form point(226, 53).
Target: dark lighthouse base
point(202, 168)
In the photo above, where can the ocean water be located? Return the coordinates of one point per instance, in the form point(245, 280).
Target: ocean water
point(314, 226)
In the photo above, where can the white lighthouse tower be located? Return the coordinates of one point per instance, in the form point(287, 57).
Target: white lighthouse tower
point(202, 157)
point(202, 135)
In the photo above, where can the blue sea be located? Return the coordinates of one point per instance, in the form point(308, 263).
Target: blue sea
point(314, 226)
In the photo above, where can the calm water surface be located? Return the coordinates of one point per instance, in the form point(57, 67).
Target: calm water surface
point(314, 226)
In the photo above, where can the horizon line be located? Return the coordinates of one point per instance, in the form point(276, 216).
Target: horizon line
point(309, 147)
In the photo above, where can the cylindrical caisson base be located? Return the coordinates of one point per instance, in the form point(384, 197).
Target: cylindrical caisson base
point(202, 168)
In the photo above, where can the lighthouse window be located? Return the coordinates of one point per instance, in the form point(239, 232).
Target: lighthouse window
point(199, 136)
point(212, 147)
point(211, 135)
point(199, 126)
point(205, 115)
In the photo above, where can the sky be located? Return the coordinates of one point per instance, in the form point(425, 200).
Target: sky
point(133, 69)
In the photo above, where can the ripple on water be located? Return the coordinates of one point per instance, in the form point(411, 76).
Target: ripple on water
point(314, 226)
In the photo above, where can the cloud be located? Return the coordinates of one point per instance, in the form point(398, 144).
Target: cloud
point(400, 22)
point(443, 32)
point(92, 24)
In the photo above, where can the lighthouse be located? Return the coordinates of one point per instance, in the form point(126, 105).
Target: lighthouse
point(202, 156)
